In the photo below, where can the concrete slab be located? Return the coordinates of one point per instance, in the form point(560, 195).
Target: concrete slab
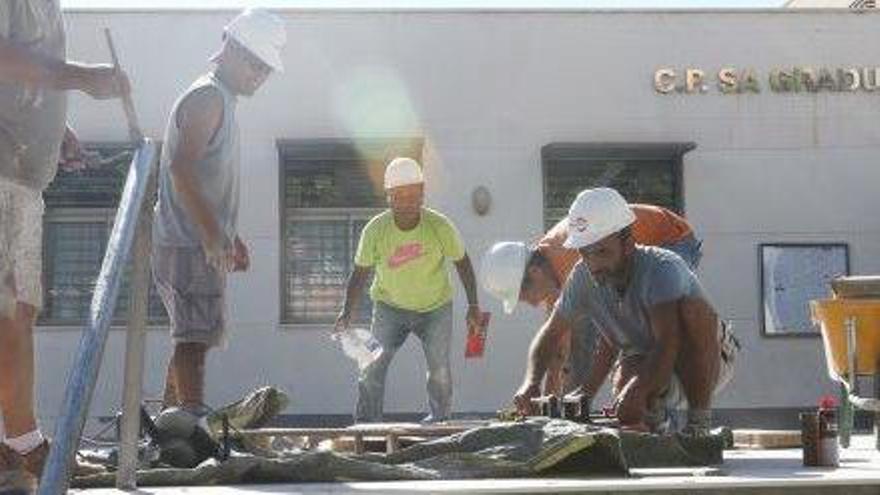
point(744, 472)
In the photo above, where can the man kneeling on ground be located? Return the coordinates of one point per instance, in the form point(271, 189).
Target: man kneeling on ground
point(513, 272)
point(650, 309)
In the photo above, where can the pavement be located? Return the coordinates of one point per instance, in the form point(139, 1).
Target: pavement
point(744, 472)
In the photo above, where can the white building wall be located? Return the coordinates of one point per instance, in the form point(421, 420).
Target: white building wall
point(487, 91)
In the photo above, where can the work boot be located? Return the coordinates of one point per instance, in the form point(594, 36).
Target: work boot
point(35, 460)
point(13, 477)
point(699, 423)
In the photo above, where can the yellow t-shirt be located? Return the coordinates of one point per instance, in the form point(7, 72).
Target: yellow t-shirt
point(410, 265)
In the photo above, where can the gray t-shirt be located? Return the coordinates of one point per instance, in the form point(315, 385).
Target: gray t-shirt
point(659, 276)
point(32, 120)
point(218, 174)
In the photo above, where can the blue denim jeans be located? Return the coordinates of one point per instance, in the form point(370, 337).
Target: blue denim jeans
point(690, 249)
point(391, 327)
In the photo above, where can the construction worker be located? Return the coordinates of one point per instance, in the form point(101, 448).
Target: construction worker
point(651, 310)
point(34, 78)
point(196, 241)
point(512, 272)
point(407, 247)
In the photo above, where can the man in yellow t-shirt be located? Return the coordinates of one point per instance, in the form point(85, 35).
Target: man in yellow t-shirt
point(407, 247)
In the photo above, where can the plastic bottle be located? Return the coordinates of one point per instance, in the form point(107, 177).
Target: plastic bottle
point(360, 345)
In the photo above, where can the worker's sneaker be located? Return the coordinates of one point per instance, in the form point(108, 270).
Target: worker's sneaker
point(13, 477)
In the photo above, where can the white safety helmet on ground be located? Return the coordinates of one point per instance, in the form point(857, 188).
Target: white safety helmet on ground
point(260, 32)
point(502, 270)
point(403, 172)
point(595, 214)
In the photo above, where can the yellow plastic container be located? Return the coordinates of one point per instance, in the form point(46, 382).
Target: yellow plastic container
point(832, 314)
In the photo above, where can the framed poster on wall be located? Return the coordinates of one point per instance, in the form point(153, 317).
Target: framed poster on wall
point(791, 276)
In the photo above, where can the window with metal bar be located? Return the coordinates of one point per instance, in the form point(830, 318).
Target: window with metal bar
point(642, 172)
point(329, 190)
point(80, 210)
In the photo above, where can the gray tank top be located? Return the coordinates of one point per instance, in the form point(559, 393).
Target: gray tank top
point(217, 173)
point(32, 120)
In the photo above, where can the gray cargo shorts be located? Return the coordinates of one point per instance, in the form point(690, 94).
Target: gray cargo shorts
point(194, 295)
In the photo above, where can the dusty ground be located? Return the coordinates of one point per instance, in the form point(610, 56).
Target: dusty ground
point(743, 472)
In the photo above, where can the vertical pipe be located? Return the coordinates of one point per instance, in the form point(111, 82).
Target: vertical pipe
point(877, 411)
point(126, 476)
point(851, 355)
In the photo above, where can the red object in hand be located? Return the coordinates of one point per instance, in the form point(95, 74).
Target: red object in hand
point(476, 338)
point(827, 402)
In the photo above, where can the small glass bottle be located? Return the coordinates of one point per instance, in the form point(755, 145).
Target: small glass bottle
point(829, 450)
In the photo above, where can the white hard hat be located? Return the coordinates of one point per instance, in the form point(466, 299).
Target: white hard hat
point(594, 215)
point(260, 32)
point(403, 172)
point(502, 270)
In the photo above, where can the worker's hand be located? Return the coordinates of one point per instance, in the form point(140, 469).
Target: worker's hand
point(102, 81)
point(219, 253)
point(578, 394)
point(631, 403)
point(342, 321)
point(474, 318)
point(72, 158)
point(241, 258)
point(523, 398)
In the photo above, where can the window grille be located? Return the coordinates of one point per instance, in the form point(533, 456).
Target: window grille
point(641, 172)
point(80, 210)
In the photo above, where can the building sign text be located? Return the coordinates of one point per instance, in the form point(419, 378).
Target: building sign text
point(731, 80)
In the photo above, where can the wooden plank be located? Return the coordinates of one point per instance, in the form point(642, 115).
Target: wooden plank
point(376, 430)
point(766, 439)
point(391, 443)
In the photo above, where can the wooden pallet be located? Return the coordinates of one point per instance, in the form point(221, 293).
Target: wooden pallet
point(766, 439)
point(357, 435)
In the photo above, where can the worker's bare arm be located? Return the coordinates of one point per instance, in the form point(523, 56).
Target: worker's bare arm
point(353, 290)
point(656, 369)
point(20, 65)
point(540, 356)
point(466, 273)
point(603, 360)
point(198, 118)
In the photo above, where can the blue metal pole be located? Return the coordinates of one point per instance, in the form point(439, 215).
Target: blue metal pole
point(84, 374)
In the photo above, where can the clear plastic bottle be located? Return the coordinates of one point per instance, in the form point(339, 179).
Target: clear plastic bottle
point(360, 345)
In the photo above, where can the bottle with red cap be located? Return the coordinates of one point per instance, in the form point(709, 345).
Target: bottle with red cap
point(828, 447)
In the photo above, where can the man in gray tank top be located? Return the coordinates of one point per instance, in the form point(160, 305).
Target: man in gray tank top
point(34, 77)
point(652, 314)
point(196, 241)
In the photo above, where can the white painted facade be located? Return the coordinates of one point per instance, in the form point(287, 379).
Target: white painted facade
point(487, 90)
